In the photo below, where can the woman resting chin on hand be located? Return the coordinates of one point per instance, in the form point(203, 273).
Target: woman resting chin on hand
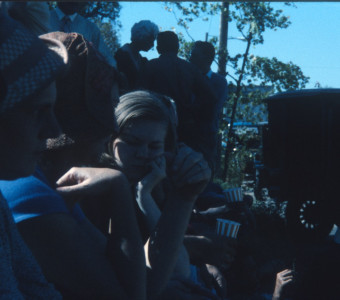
point(146, 151)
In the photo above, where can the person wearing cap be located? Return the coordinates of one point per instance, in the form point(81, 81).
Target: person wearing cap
point(82, 262)
point(129, 60)
point(65, 17)
point(28, 69)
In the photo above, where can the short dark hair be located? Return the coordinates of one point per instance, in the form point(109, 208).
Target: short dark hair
point(167, 41)
point(207, 49)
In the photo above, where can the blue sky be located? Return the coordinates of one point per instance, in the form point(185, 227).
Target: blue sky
point(312, 41)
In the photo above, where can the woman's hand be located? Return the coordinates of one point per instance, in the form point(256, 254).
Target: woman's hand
point(213, 278)
point(144, 188)
point(190, 173)
point(283, 278)
point(86, 181)
point(155, 176)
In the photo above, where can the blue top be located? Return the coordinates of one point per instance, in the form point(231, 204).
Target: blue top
point(31, 197)
point(21, 276)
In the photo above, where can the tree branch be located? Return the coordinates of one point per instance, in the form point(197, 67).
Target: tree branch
point(237, 96)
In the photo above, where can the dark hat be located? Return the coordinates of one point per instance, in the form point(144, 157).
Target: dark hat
point(28, 64)
point(84, 106)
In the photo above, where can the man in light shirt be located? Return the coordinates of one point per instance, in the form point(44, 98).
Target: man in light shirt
point(65, 18)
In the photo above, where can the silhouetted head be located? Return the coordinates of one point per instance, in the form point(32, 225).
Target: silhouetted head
point(202, 55)
point(69, 8)
point(143, 34)
point(167, 42)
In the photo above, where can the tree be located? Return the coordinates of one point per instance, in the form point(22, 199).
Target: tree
point(251, 19)
point(106, 16)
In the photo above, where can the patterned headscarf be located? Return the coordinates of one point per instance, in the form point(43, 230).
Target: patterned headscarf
point(27, 64)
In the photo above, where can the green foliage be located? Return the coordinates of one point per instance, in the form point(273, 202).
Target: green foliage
point(185, 48)
point(237, 164)
point(109, 34)
point(105, 15)
point(251, 107)
point(256, 17)
point(251, 19)
point(250, 74)
point(283, 76)
point(102, 10)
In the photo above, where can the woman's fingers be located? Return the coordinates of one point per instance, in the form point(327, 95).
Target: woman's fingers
point(157, 173)
point(185, 159)
point(86, 180)
point(69, 178)
point(189, 167)
point(192, 177)
point(287, 278)
point(286, 271)
point(74, 189)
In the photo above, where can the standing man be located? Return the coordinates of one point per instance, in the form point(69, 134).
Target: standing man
point(65, 17)
point(202, 55)
point(191, 91)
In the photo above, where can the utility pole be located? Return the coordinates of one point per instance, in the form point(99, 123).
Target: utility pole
point(222, 47)
point(222, 70)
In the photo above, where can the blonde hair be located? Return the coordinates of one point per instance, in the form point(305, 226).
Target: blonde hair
point(146, 105)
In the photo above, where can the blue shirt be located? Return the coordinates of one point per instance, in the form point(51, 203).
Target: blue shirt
point(31, 197)
point(21, 276)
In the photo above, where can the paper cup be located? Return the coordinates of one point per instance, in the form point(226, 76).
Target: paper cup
point(227, 228)
point(234, 195)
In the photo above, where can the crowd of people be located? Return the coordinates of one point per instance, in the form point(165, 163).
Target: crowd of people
point(107, 163)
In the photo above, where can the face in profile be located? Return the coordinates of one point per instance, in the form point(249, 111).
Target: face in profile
point(147, 43)
point(137, 146)
point(23, 134)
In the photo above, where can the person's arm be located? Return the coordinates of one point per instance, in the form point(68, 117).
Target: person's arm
point(189, 175)
point(73, 259)
point(152, 213)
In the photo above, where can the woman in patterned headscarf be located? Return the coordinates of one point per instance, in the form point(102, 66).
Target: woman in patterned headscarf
point(28, 69)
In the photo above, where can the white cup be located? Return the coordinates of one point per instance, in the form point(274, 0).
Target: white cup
point(227, 228)
point(233, 195)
